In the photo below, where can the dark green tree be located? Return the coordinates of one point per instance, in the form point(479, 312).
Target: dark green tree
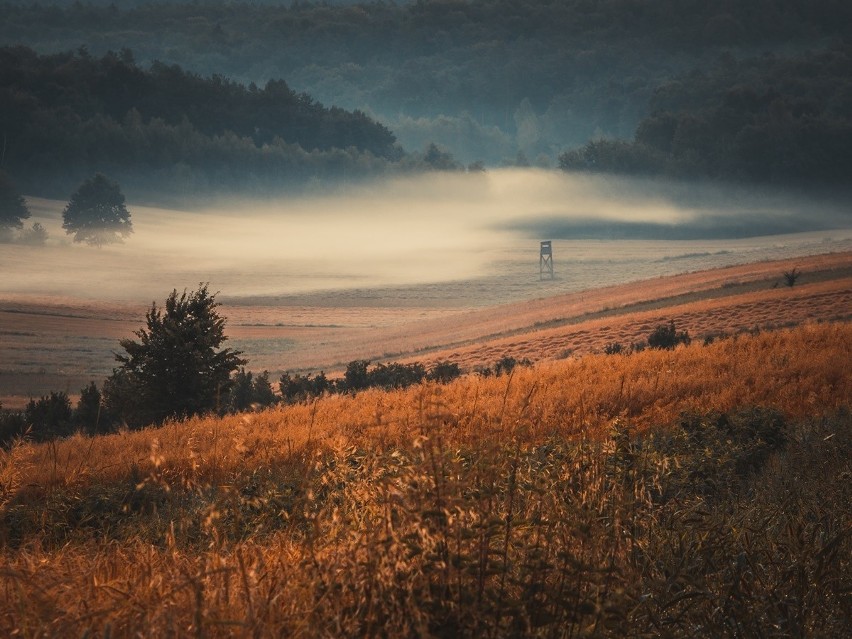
point(88, 412)
point(96, 213)
point(49, 416)
point(176, 369)
point(250, 391)
point(13, 208)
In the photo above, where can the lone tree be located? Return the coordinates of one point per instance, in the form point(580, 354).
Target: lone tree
point(176, 369)
point(96, 213)
point(13, 208)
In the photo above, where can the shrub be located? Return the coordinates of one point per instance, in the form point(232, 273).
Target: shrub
point(88, 413)
point(666, 336)
point(443, 372)
point(790, 277)
point(250, 391)
point(297, 388)
point(49, 416)
point(614, 348)
point(12, 426)
point(507, 364)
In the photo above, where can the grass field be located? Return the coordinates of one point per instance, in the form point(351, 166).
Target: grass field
point(703, 492)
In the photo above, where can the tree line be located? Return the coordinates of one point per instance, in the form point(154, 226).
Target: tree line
point(777, 120)
point(68, 114)
point(485, 78)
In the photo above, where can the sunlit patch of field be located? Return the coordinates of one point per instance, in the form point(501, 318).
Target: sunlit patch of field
point(573, 494)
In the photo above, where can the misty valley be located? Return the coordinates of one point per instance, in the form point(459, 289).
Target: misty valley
point(425, 318)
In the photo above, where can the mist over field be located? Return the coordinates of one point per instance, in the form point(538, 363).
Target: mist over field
point(421, 230)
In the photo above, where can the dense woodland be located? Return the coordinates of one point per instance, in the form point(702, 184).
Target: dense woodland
point(69, 114)
point(767, 119)
point(492, 80)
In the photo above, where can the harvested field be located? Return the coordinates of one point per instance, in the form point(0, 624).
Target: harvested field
point(61, 343)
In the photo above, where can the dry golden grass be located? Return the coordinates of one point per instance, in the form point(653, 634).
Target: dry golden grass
point(563, 500)
point(802, 371)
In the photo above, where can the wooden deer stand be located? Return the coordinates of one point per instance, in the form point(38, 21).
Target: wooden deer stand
point(545, 261)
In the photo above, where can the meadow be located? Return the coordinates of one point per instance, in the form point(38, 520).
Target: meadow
point(702, 491)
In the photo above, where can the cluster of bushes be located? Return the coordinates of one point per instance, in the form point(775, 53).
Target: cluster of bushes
point(663, 337)
point(359, 375)
point(52, 416)
point(140, 393)
point(503, 366)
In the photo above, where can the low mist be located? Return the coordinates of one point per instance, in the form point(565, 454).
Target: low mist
point(406, 232)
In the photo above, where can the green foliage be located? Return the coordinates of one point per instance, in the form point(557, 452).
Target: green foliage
point(12, 426)
point(355, 377)
point(13, 208)
point(96, 213)
point(395, 375)
point(177, 368)
point(250, 391)
point(68, 113)
point(359, 375)
point(440, 160)
point(456, 73)
point(666, 336)
point(614, 348)
point(784, 120)
point(443, 372)
point(89, 414)
point(297, 388)
point(49, 416)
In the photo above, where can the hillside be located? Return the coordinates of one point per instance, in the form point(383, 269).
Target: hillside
point(777, 120)
point(488, 79)
point(602, 494)
point(64, 342)
point(70, 114)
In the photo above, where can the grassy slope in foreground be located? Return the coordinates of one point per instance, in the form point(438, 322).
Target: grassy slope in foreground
point(567, 496)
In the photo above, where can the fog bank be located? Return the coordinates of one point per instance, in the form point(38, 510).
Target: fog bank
point(414, 231)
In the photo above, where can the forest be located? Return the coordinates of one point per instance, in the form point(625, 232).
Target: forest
point(505, 83)
point(769, 120)
point(66, 115)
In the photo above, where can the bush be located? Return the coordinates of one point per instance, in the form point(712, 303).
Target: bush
point(666, 337)
point(299, 388)
point(49, 416)
point(443, 372)
point(394, 375)
point(88, 414)
point(614, 348)
point(12, 426)
point(249, 391)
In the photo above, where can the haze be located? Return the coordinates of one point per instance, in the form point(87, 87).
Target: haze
point(427, 229)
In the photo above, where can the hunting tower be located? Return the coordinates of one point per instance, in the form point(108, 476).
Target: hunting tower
point(545, 261)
